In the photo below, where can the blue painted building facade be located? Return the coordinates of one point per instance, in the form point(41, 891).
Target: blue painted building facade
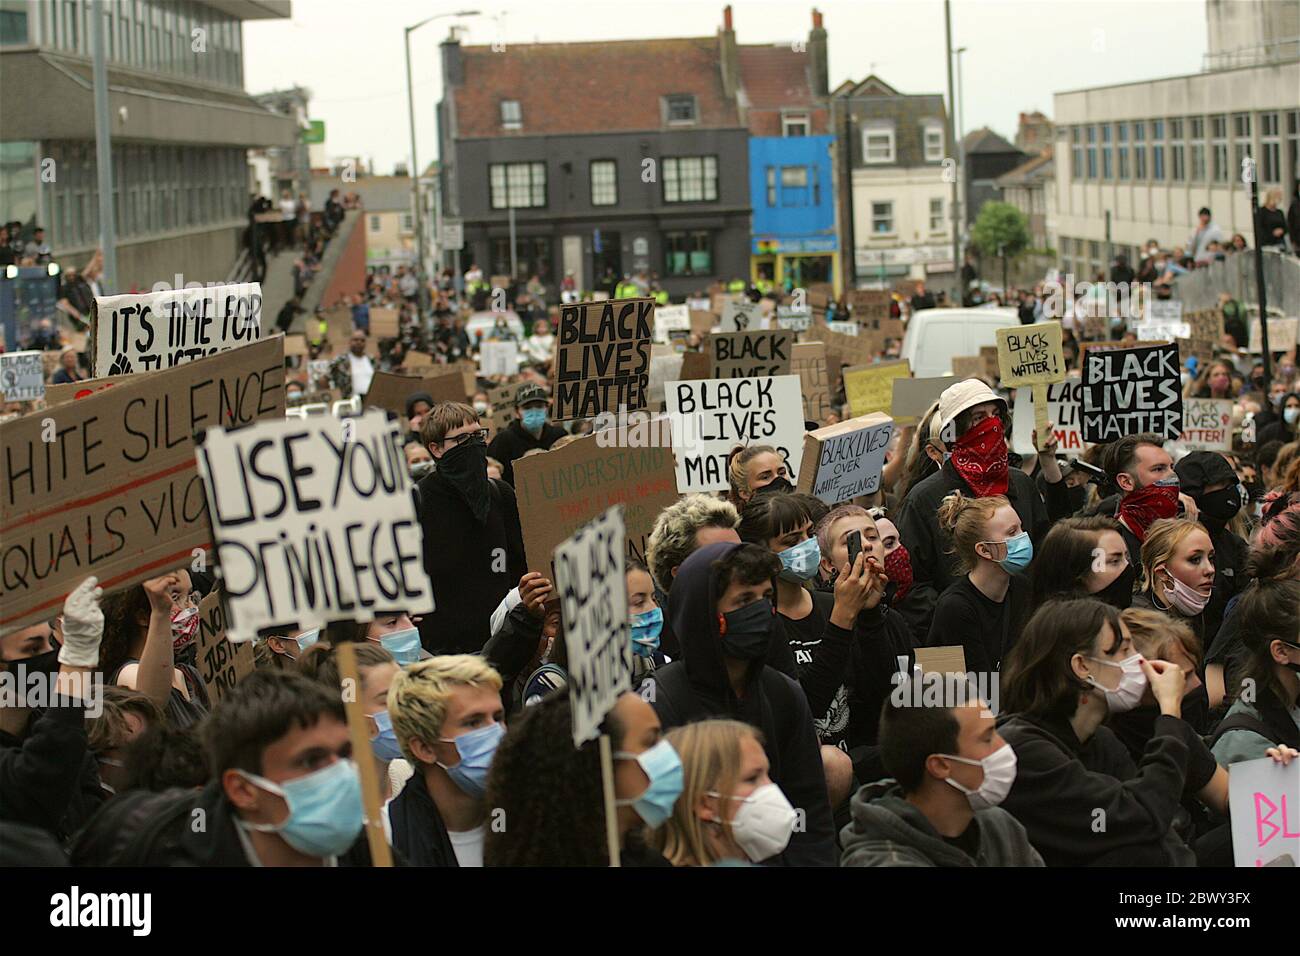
point(794, 241)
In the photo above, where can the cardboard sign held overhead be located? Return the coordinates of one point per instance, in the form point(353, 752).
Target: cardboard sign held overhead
point(1032, 355)
point(1064, 406)
point(389, 391)
point(809, 363)
point(1207, 424)
point(870, 388)
point(670, 318)
point(967, 366)
point(695, 366)
point(1205, 335)
point(302, 545)
point(22, 376)
point(562, 490)
point(844, 460)
point(383, 323)
point(499, 358)
point(222, 665)
point(501, 409)
point(869, 304)
point(590, 582)
point(1264, 806)
point(602, 358)
point(792, 319)
point(740, 315)
point(160, 330)
point(750, 354)
point(913, 397)
point(712, 417)
point(1281, 335)
point(117, 495)
point(1127, 391)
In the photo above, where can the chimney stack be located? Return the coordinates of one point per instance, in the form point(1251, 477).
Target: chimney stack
point(817, 56)
point(728, 55)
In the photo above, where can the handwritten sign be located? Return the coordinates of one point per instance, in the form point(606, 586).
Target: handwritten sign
point(1281, 335)
point(671, 318)
point(740, 315)
point(1128, 391)
point(1064, 407)
point(870, 388)
point(750, 354)
point(1264, 805)
point(22, 376)
point(792, 319)
point(499, 358)
point(1207, 424)
point(844, 461)
point(809, 363)
point(602, 357)
point(221, 664)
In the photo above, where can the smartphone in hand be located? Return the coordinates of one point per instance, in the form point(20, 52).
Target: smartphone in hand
point(855, 547)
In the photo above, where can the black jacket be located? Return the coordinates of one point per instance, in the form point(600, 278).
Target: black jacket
point(418, 831)
point(696, 687)
point(464, 561)
point(48, 777)
point(1087, 804)
point(933, 567)
point(512, 441)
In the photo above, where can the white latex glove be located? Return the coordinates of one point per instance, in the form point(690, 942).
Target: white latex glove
point(83, 625)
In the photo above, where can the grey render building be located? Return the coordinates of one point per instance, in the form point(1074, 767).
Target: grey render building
point(615, 157)
point(181, 128)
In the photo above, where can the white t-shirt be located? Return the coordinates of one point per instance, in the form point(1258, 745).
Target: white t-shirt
point(363, 370)
point(288, 209)
point(468, 845)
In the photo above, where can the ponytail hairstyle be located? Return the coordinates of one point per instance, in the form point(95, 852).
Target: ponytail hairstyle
point(738, 469)
point(918, 464)
point(965, 520)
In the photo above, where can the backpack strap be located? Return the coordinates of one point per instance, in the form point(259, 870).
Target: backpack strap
point(1241, 721)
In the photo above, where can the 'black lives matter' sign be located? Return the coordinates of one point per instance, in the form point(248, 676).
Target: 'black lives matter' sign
point(602, 357)
point(1128, 391)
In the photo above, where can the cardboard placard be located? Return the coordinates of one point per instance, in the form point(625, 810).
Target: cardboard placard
point(671, 318)
point(844, 461)
point(602, 358)
point(499, 358)
point(663, 368)
point(590, 581)
point(1264, 807)
point(501, 408)
point(416, 360)
point(302, 544)
point(752, 354)
point(711, 417)
point(22, 376)
point(808, 361)
point(942, 660)
point(1162, 329)
point(989, 360)
point(1127, 391)
point(695, 366)
point(384, 322)
point(563, 489)
point(967, 366)
point(158, 330)
point(1205, 335)
point(1207, 424)
point(389, 391)
point(1064, 408)
point(795, 320)
point(1281, 335)
point(913, 397)
point(1032, 355)
point(59, 394)
point(221, 664)
point(841, 350)
point(117, 495)
point(740, 315)
point(869, 304)
point(1163, 311)
point(844, 327)
point(703, 321)
point(870, 388)
point(295, 345)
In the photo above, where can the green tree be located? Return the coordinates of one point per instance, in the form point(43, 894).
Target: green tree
point(1000, 230)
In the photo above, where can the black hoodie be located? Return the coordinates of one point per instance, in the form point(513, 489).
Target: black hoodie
point(696, 687)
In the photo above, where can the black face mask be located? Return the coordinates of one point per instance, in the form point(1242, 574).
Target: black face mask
point(1196, 709)
point(747, 631)
point(1221, 505)
point(465, 468)
point(1119, 593)
point(1077, 496)
point(776, 485)
point(45, 664)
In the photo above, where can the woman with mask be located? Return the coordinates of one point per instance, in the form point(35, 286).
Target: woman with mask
point(1158, 637)
point(396, 633)
point(1177, 572)
point(1082, 799)
point(551, 792)
point(729, 810)
point(1283, 429)
point(1219, 494)
point(985, 609)
point(1084, 557)
point(757, 468)
point(1215, 381)
point(149, 645)
point(286, 648)
point(646, 621)
point(898, 563)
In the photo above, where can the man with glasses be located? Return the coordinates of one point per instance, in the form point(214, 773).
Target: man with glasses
point(473, 543)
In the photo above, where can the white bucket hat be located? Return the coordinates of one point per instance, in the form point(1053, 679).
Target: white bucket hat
point(957, 398)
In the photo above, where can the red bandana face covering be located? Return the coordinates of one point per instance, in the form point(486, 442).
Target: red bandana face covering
point(898, 566)
point(1139, 508)
point(980, 457)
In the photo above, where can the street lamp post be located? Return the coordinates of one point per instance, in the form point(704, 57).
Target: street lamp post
point(952, 122)
point(963, 198)
point(415, 163)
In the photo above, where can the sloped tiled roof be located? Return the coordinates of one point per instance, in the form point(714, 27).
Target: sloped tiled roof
point(984, 140)
point(773, 78)
point(1033, 170)
point(607, 86)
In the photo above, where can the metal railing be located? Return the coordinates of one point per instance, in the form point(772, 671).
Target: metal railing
point(1235, 275)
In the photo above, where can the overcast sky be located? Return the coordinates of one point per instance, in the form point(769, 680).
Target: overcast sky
point(349, 53)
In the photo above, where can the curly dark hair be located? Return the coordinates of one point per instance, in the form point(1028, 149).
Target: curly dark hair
point(122, 610)
point(549, 791)
point(163, 757)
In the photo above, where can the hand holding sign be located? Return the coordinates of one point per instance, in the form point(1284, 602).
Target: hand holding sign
point(1032, 355)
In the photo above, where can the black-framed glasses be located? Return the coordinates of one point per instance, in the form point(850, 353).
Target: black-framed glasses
point(479, 435)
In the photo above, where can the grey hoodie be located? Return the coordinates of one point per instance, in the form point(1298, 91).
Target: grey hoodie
point(888, 831)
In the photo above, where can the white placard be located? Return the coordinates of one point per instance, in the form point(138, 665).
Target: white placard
point(796, 320)
point(499, 358)
point(849, 459)
point(1264, 807)
point(710, 417)
point(1064, 401)
point(844, 328)
point(741, 315)
point(143, 333)
point(1207, 424)
point(313, 520)
point(669, 318)
point(22, 376)
point(590, 581)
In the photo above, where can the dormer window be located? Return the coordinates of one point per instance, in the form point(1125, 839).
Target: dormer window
point(679, 109)
point(512, 117)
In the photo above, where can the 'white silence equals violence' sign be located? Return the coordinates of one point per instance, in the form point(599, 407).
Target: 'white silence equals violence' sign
point(156, 330)
point(313, 521)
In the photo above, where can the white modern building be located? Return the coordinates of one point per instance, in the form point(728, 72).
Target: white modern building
point(1151, 154)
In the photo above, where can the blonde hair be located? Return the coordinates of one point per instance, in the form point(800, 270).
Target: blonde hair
point(965, 520)
point(823, 528)
point(738, 468)
point(1155, 634)
point(1162, 540)
point(418, 696)
point(673, 537)
point(710, 755)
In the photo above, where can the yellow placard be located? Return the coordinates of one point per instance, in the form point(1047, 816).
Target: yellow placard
point(1031, 354)
point(870, 388)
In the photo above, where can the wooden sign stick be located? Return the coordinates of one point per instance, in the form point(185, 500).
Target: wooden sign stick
point(1042, 424)
point(380, 854)
point(611, 810)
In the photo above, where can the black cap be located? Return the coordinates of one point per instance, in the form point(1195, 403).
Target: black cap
point(1198, 469)
point(531, 393)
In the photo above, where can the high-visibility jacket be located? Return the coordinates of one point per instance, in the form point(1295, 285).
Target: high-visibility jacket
point(661, 297)
point(736, 285)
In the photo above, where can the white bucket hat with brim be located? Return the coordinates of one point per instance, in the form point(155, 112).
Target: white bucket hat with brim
point(958, 398)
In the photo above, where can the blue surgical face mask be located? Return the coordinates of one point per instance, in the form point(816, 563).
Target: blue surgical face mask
point(799, 563)
point(476, 749)
point(1291, 414)
point(664, 768)
point(646, 628)
point(307, 638)
point(325, 813)
point(404, 645)
point(385, 746)
point(534, 419)
point(1020, 551)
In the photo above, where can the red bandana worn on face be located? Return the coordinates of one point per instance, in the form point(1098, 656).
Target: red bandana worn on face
point(980, 457)
point(898, 566)
point(1139, 508)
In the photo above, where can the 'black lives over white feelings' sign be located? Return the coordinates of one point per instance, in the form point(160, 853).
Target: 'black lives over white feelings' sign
point(1129, 391)
point(155, 330)
point(313, 521)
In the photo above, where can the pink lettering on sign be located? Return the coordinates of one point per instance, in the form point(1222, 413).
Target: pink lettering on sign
point(1263, 819)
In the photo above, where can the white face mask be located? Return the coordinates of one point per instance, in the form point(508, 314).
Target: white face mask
point(1186, 599)
point(763, 822)
point(999, 774)
point(1132, 684)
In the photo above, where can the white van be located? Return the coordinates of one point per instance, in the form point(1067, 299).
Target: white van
point(935, 336)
